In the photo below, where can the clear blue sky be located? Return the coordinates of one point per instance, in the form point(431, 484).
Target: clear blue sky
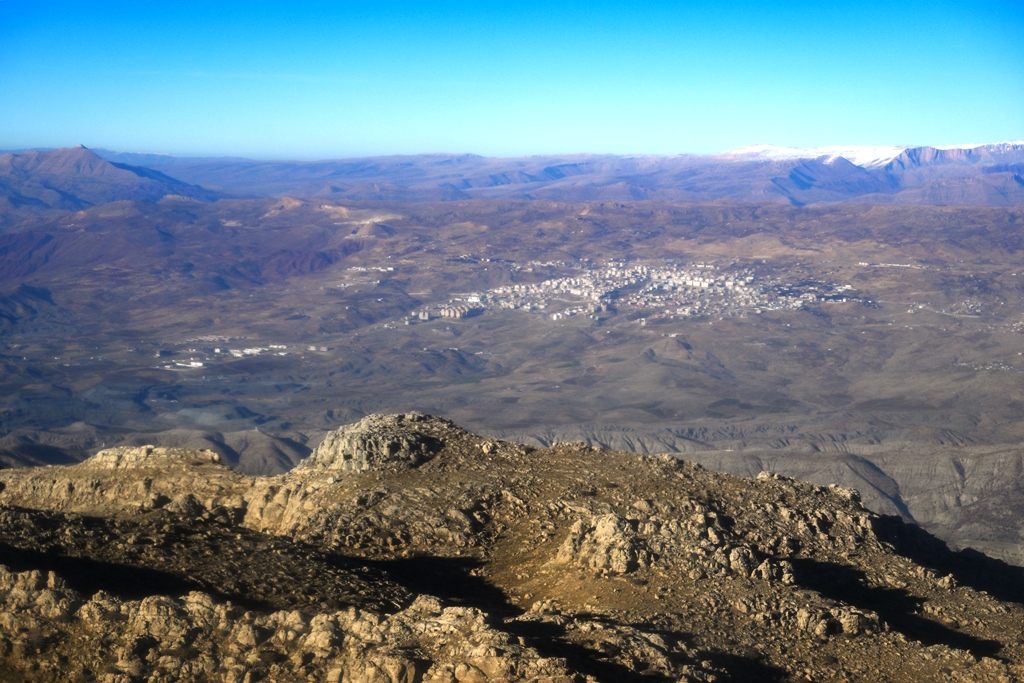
point(319, 80)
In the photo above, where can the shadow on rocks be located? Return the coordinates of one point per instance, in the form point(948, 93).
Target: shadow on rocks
point(88, 576)
point(895, 607)
point(455, 580)
point(969, 567)
point(750, 668)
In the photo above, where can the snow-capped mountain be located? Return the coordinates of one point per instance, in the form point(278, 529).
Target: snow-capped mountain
point(868, 156)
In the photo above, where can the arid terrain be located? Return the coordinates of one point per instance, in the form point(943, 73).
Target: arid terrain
point(874, 346)
point(511, 342)
point(405, 549)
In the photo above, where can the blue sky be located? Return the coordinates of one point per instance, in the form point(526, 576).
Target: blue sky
point(324, 80)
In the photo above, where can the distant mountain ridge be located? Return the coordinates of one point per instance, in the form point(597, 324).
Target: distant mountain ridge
point(77, 178)
point(982, 175)
point(871, 156)
point(861, 155)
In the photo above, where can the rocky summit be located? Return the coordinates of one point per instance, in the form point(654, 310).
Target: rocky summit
point(405, 549)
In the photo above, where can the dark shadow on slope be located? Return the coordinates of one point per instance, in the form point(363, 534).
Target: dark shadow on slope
point(740, 668)
point(452, 579)
point(896, 607)
point(751, 669)
point(969, 567)
point(164, 555)
point(455, 581)
point(88, 576)
point(30, 454)
point(598, 661)
point(747, 670)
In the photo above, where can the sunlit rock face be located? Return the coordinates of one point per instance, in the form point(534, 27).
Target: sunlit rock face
point(374, 441)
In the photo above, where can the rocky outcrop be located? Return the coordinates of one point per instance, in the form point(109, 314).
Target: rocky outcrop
point(149, 456)
point(374, 441)
point(605, 543)
point(128, 478)
point(199, 638)
point(454, 558)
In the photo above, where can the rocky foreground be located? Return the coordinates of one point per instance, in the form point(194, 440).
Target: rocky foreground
point(405, 549)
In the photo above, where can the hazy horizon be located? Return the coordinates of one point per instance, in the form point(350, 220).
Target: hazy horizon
point(443, 153)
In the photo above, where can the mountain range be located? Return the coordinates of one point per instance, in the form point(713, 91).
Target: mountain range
point(981, 175)
point(77, 178)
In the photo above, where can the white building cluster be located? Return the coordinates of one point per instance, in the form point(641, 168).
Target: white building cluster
point(461, 311)
point(665, 290)
point(677, 290)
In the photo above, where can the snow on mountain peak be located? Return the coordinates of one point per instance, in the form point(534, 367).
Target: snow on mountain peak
point(867, 156)
point(862, 155)
point(996, 147)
